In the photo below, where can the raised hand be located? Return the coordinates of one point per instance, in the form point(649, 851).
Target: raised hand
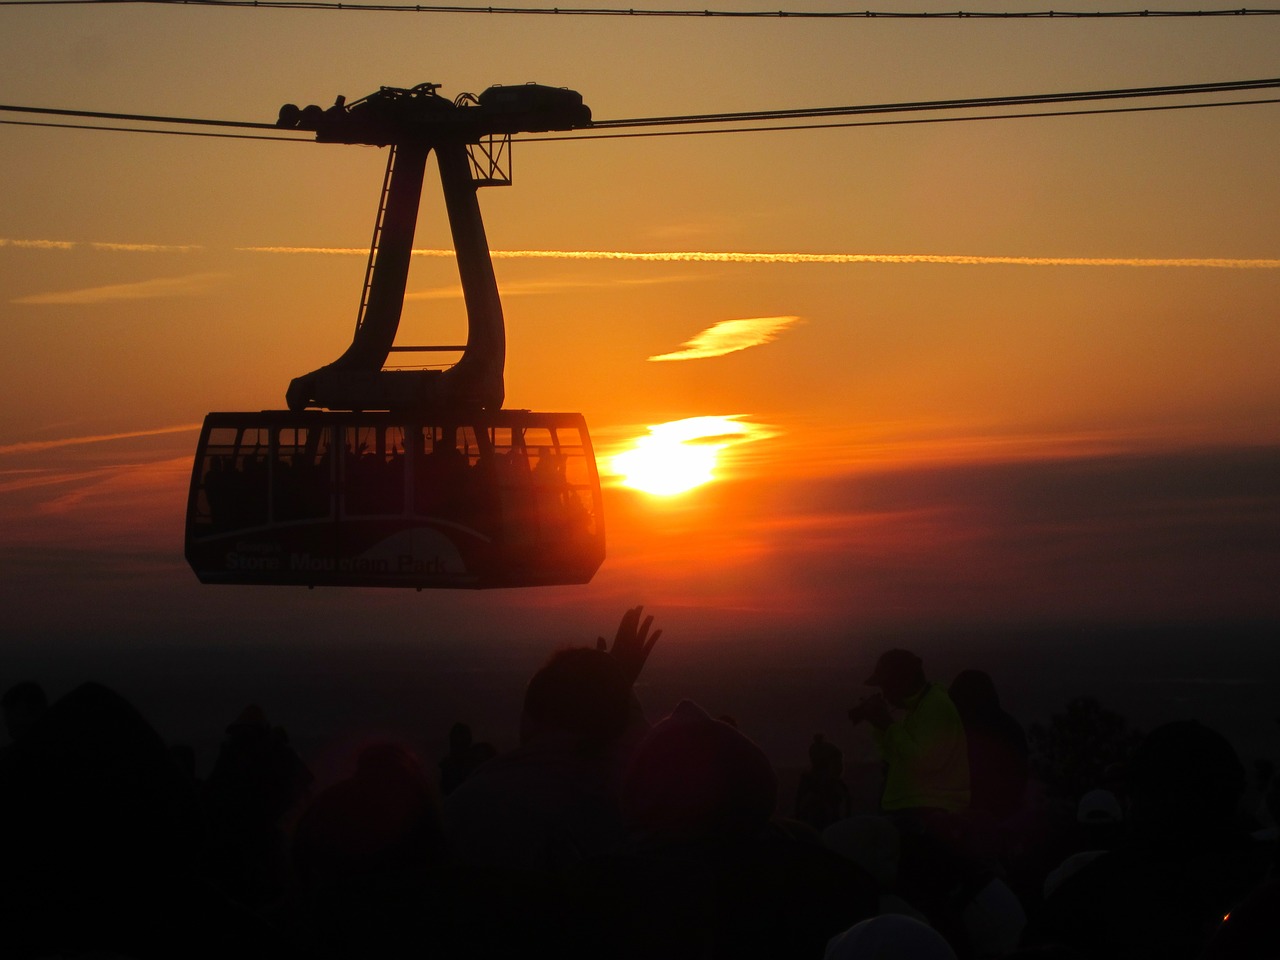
point(632, 643)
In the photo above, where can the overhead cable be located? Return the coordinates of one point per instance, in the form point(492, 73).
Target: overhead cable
point(773, 117)
point(1099, 111)
point(170, 133)
point(968, 103)
point(690, 133)
point(634, 12)
point(138, 117)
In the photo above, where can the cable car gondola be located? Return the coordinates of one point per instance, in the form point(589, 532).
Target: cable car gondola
point(417, 478)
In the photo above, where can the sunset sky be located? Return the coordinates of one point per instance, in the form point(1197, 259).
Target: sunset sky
point(961, 373)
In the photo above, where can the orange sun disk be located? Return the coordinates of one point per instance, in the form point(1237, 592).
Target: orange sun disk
point(680, 455)
point(666, 467)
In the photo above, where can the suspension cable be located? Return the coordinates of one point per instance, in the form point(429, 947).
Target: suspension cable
point(341, 5)
point(753, 116)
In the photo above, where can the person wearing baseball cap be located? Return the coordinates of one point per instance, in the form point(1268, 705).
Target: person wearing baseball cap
point(920, 737)
point(924, 750)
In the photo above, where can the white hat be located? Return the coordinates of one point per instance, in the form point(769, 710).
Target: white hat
point(890, 937)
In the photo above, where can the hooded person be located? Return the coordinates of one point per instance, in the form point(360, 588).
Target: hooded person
point(999, 757)
point(710, 870)
point(697, 777)
point(1185, 862)
point(552, 800)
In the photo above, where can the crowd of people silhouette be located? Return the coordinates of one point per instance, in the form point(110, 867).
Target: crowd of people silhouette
point(605, 835)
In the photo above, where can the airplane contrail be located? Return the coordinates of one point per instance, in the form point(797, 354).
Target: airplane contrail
point(146, 247)
point(101, 245)
point(707, 256)
point(703, 256)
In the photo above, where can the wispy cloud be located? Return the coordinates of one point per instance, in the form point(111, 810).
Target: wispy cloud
point(190, 285)
point(31, 480)
point(730, 336)
point(1180, 536)
point(36, 446)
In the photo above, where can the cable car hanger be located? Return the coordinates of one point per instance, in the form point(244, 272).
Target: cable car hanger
point(418, 477)
point(413, 122)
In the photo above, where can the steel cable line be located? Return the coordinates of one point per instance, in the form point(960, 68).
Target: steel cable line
point(168, 133)
point(139, 117)
point(1100, 111)
point(337, 5)
point(961, 104)
point(755, 116)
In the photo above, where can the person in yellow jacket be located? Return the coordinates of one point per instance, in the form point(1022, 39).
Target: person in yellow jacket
point(924, 750)
point(926, 779)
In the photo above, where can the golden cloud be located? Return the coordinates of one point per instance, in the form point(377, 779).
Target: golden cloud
point(730, 336)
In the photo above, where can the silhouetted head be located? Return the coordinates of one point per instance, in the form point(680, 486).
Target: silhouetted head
point(696, 777)
point(1184, 778)
point(580, 691)
point(388, 758)
point(825, 758)
point(899, 674)
point(250, 722)
point(974, 694)
point(24, 704)
point(101, 803)
point(383, 818)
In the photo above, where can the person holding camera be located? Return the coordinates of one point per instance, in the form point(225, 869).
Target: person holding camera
point(921, 740)
point(924, 749)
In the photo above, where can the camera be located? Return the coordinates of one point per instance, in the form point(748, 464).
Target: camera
point(862, 710)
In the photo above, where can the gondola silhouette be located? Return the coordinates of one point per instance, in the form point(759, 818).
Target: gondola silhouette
point(407, 477)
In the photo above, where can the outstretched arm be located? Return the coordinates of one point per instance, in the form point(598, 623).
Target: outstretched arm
point(632, 643)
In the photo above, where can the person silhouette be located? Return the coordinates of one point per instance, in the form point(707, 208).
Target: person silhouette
point(926, 778)
point(999, 757)
point(822, 796)
point(1184, 864)
point(552, 801)
point(463, 757)
point(925, 752)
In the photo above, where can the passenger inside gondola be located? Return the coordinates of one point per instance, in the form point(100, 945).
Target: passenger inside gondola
point(300, 489)
point(551, 490)
point(237, 493)
point(369, 484)
point(443, 484)
point(286, 501)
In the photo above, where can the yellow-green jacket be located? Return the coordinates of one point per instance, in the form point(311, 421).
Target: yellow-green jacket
point(926, 757)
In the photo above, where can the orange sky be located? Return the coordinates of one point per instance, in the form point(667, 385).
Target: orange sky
point(997, 369)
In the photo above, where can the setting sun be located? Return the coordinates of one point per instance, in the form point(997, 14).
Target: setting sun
point(678, 456)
